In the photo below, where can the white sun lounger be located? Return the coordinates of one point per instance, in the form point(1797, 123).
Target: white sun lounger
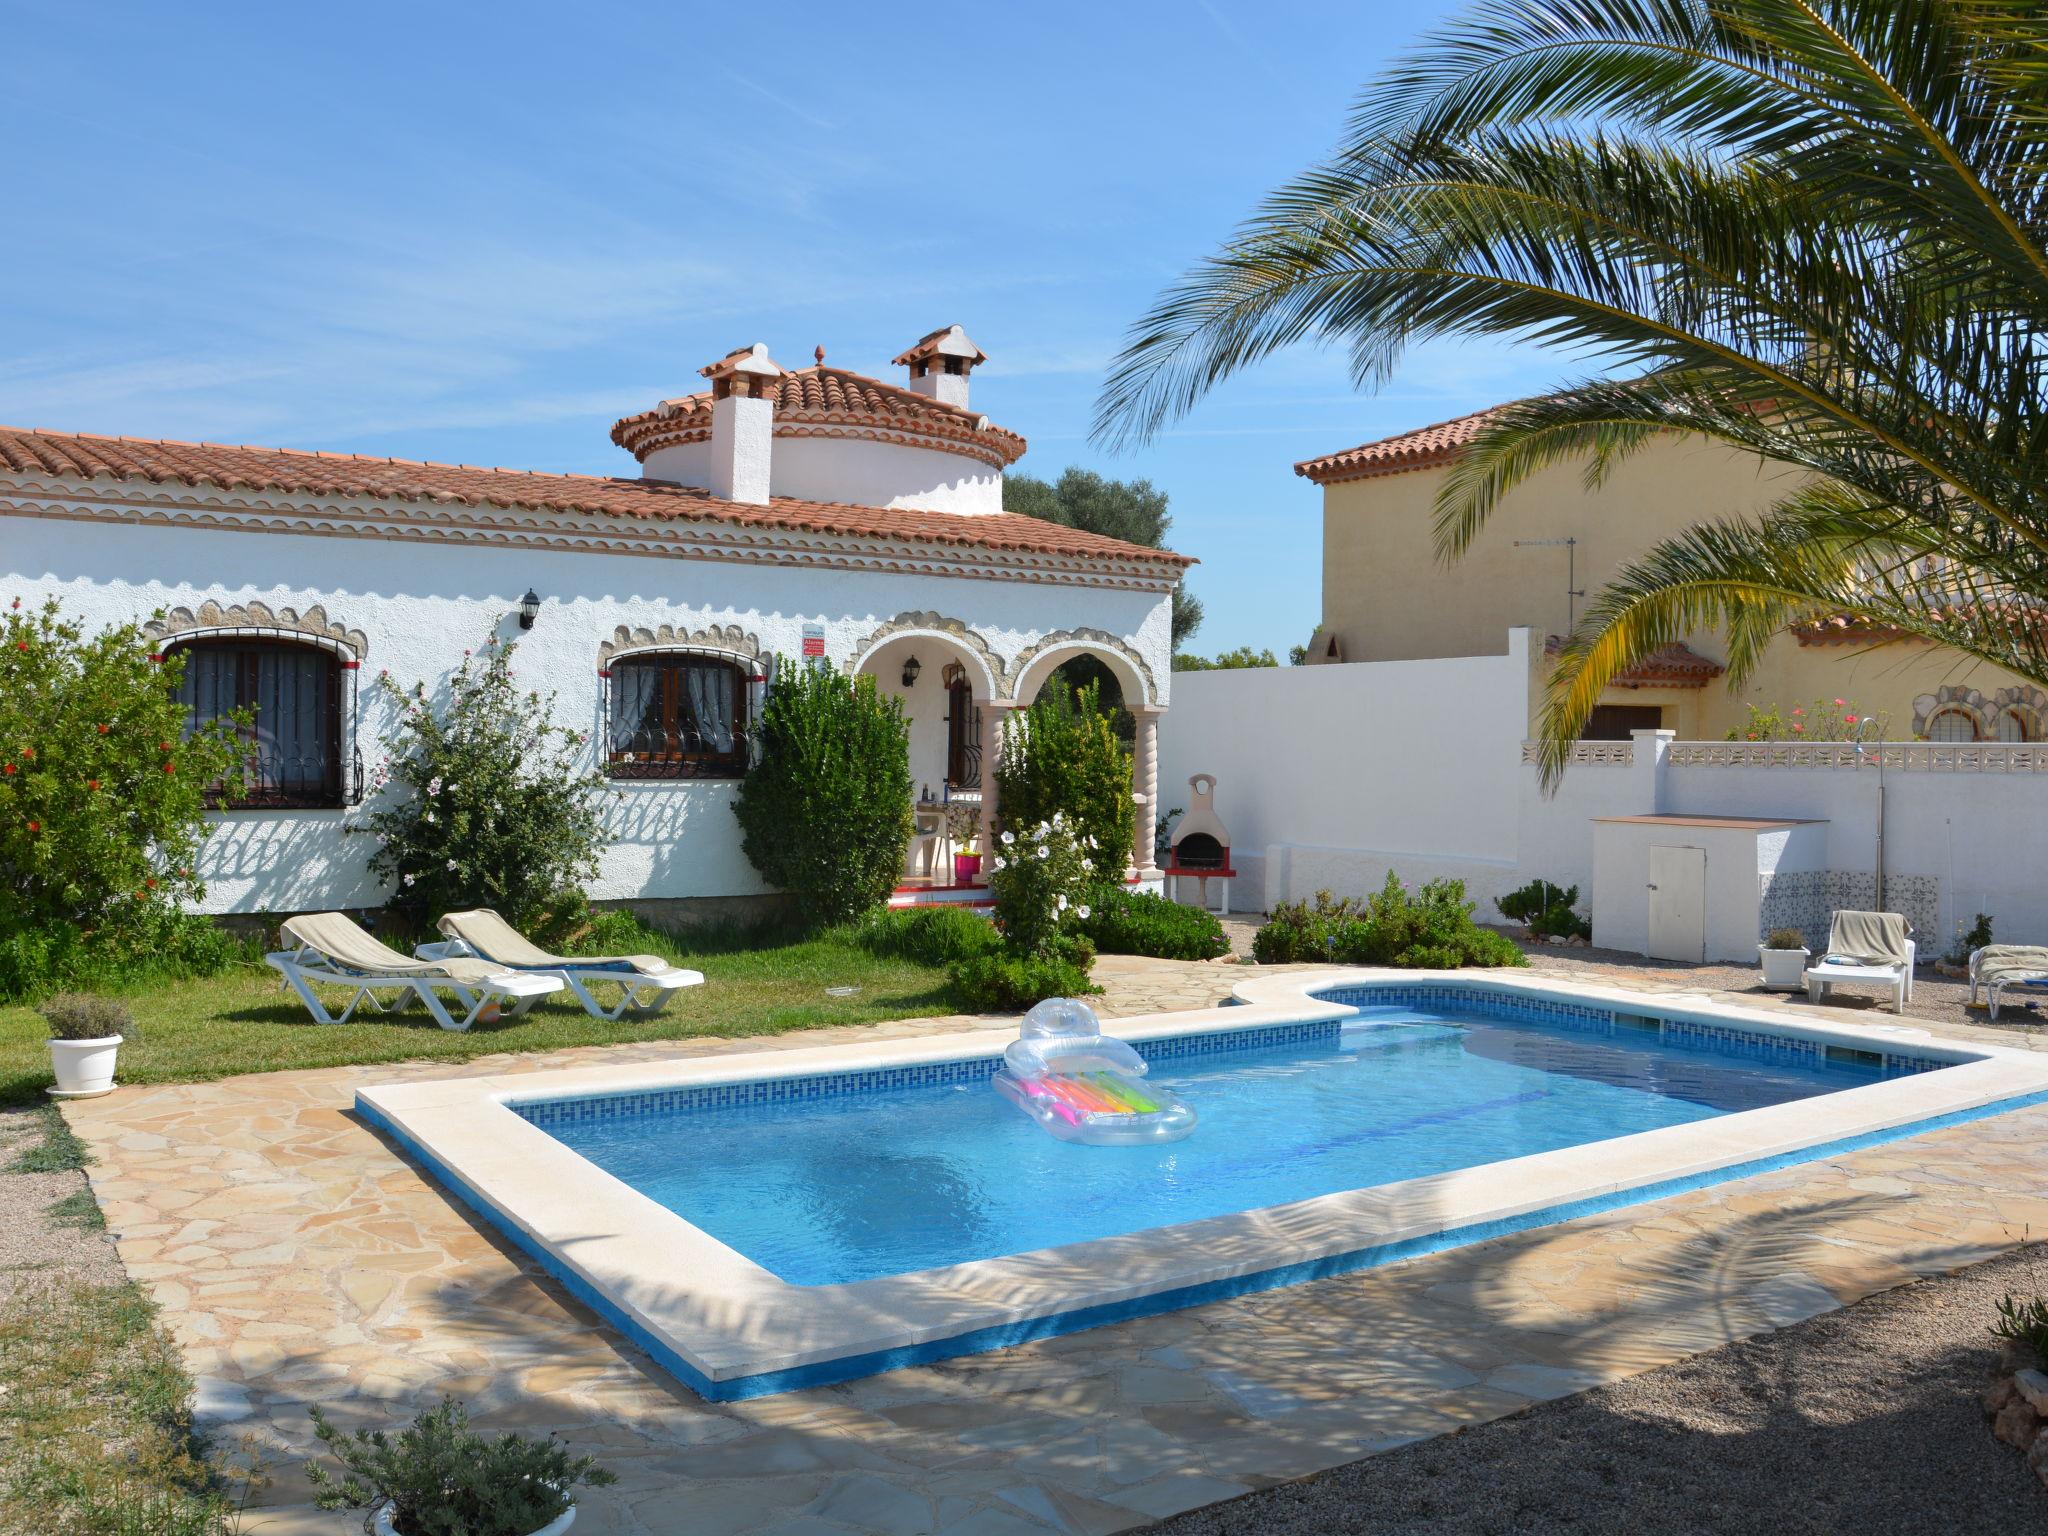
point(1867, 947)
point(645, 982)
point(2002, 968)
point(333, 950)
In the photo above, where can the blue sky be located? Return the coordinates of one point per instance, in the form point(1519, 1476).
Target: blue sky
point(479, 234)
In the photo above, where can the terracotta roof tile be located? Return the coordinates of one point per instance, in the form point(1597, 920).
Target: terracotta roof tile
point(81, 455)
point(828, 395)
point(1676, 665)
point(1420, 449)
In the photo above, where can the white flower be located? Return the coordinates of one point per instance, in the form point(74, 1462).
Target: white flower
point(1081, 911)
point(451, 863)
point(1009, 837)
point(1044, 852)
point(410, 878)
point(434, 785)
point(1061, 903)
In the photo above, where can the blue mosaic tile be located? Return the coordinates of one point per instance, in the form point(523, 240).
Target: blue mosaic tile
point(1552, 1013)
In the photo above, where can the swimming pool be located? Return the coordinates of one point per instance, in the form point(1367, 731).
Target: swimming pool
point(792, 1217)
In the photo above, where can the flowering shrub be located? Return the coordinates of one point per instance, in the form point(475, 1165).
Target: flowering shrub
point(825, 814)
point(102, 794)
point(1823, 720)
point(1039, 877)
point(501, 812)
point(1062, 755)
point(1124, 922)
point(1038, 881)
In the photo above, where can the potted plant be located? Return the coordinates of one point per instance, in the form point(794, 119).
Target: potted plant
point(85, 1035)
point(439, 1477)
point(963, 821)
point(1784, 955)
point(1956, 962)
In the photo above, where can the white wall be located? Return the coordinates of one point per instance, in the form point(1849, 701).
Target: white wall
point(861, 471)
point(1332, 775)
point(421, 605)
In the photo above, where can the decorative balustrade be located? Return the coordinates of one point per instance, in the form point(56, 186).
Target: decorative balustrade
point(1897, 756)
point(1606, 754)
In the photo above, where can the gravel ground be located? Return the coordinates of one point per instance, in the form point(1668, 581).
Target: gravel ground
point(1864, 1420)
point(31, 1243)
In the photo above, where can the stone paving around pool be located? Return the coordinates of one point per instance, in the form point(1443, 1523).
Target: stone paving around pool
point(299, 1259)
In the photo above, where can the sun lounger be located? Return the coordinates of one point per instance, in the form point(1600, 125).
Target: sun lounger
point(331, 949)
point(1998, 968)
point(645, 982)
point(1868, 947)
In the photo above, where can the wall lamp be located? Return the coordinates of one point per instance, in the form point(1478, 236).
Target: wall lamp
point(529, 608)
point(910, 671)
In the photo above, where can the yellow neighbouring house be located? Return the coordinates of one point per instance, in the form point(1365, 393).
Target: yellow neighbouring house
point(1387, 597)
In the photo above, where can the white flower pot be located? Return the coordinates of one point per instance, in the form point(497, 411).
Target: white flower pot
point(1784, 969)
point(85, 1068)
point(382, 1526)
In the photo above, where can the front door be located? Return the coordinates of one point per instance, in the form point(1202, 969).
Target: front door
point(1678, 903)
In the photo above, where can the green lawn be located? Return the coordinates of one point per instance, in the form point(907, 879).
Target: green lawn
point(243, 1022)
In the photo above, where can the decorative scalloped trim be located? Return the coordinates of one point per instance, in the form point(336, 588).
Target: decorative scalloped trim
point(1983, 712)
point(727, 639)
point(255, 615)
point(927, 622)
point(1086, 639)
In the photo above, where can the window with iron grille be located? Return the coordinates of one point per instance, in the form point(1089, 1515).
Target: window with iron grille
point(293, 693)
point(677, 717)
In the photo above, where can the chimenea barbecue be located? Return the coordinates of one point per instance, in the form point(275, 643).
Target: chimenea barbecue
point(1201, 848)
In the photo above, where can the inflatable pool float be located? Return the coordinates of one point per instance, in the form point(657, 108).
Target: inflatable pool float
point(1082, 1085)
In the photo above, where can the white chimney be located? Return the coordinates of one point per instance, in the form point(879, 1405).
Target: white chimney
point(742, 424)
point(940, 363)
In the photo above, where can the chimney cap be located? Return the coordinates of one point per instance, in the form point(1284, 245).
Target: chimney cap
point(947, 341)
point(753, 361)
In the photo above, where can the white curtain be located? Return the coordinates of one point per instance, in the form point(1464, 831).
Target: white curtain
point(710, 696)
point(636, 709)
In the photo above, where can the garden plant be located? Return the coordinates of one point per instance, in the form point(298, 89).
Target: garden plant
point(1062, 757)
point(500, 811)
point(825, 813)
point(103, 800)
point(1430, 928)
point(1039, 878)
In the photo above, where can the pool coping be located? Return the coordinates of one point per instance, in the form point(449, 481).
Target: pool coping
point(730, 1329)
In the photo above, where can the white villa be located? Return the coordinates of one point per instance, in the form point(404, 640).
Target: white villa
point(808, 512)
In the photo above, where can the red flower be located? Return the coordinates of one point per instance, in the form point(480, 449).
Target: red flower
point(35, 826)
point(1848, 719)
point(28, 751)
point(170, 767)
point(21, 645)
point(8, 770)
point(150, 883)
point(92, 784)
point(163, 746)
point(104, 729)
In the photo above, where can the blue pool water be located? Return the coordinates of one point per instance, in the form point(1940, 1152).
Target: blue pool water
point(849, 1187)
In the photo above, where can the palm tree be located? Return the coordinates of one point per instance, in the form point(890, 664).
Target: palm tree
point(1810, 228)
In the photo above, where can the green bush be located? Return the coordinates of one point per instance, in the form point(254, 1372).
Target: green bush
point(500, 812)
point(1006, 982)
point(1127, 922)
point(154, 945)
point(1430, 929)
point(2025, 1323)
point(102, 794)
point(1062, 755)
point(826, 812)
point(442, 1478)
point(1547, 910)
point(935, 936)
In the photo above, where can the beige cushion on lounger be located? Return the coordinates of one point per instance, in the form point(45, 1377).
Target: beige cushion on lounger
point(342, 940)
point(1867, 938)
point(1995, 961)
point(489, 934)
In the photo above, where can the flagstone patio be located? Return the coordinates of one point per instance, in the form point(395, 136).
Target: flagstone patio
point(298, 1258)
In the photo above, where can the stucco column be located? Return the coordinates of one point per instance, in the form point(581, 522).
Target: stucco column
point(1145, 794)
point(995, 715)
